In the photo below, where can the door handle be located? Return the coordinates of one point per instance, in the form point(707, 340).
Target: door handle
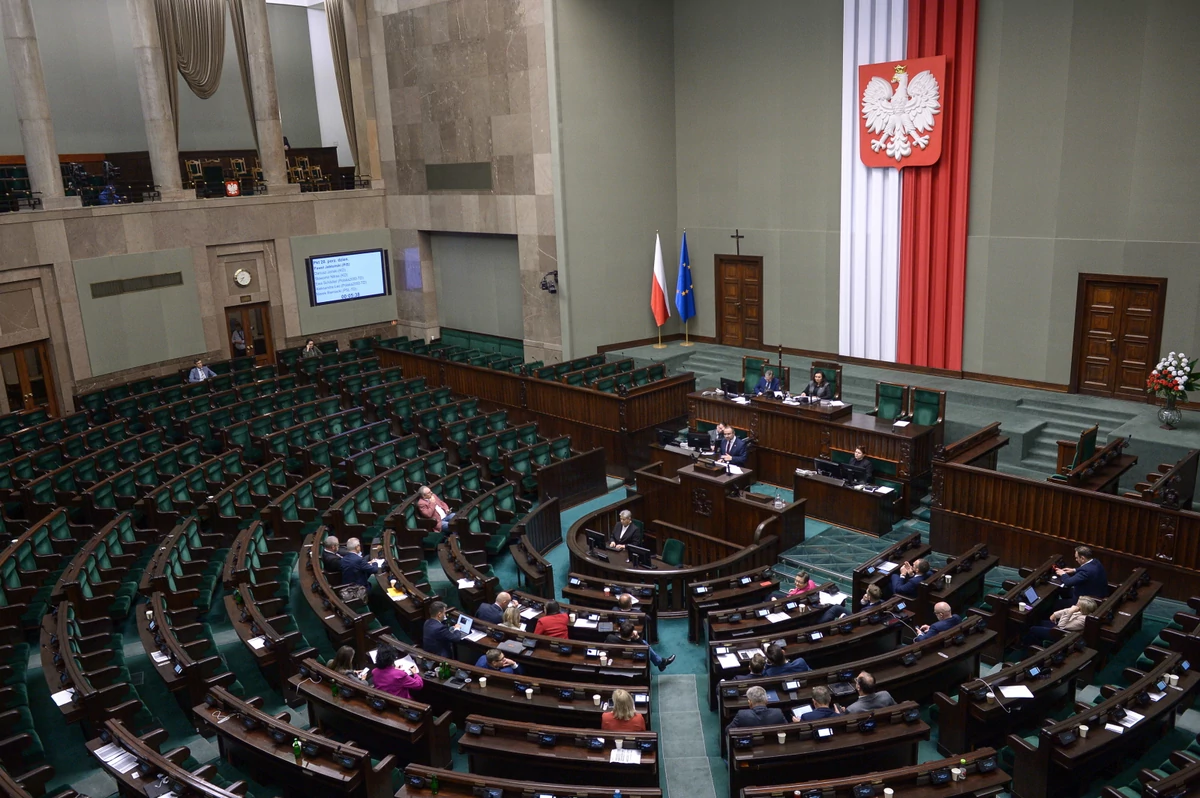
point(1112, 343)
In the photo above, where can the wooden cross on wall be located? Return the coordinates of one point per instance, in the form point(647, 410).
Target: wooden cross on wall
point(737, 240)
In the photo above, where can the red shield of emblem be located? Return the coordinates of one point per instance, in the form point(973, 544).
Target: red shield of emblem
point(233, 188)
point(900, 117)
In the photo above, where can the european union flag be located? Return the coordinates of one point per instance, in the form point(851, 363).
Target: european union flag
point(685, 298)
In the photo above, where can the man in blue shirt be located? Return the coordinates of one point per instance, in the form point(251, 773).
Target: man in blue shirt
point(1088, 579)
point(946, 619)
point(494, 660)
point(200, 372)
point(777, 665)
point(911, 574)
point(356, 569)
point(822, 702)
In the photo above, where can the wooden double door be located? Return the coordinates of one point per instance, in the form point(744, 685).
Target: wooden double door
point(28, 378)
point(249, 332)
point(739, 300)
point(1118, 333)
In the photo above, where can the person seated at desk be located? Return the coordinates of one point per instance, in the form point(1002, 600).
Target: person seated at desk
point(200, 372)
point(817, 388)
point(868, 699)
point(946, 619)
point(716, 435)
point(767, 383)
point(494, 660)
point(512, 618)
point(553, 623)
point(732, 449)
point(758, 663)
point(905, 582)
point(628, 635)
point(436, 636)
point(802, 584)
point(310, 350)
point(1089, 579)
point(1068, 619)
point(624, 603)
point(433, 508)
point(864, 464)
point(331, 560)
point(493, 612)
point(626, 532)
point(872, 596)
point(343, 663)
point(356, 569)
point(623, 717)
point(822, 705)
point(777, 664)
point(759, 714)
point(387, 677)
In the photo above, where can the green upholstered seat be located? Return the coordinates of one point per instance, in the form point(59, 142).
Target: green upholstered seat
point(752, 371)
point(890, 400)
point(926, 406)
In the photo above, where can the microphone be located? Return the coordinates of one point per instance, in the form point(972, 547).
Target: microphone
point(903, 622)
point(995, 694)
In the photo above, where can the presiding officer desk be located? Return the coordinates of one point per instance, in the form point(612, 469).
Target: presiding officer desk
point(788, 437)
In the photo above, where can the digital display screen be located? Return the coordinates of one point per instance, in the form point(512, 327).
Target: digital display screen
point(348, 275)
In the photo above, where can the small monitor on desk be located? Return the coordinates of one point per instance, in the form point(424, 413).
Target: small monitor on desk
point(639, 556)
point(699, 441)
point(595, 540)
point(1031, 596)
point(666, 437)
point(828, 468)
point(731, 387)
point(854, 474)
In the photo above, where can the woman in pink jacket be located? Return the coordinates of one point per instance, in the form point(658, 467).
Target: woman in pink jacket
point(387, 677)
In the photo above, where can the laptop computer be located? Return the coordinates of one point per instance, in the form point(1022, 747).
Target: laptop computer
point(464, 624)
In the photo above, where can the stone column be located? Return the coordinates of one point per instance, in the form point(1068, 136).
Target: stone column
point(266, 101)
point(156, 103)
point(33, 105)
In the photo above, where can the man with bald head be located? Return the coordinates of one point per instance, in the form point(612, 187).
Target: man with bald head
point(494, 613)
point(946, 619)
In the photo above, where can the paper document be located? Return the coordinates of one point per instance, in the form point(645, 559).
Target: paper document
point(833, 599)
point(837, 403)
point(257, 642)
point(727, 661)
point(741, 400)
point(901, 423)
point(1016, 691)
point(63, 697)
point(1114, 728)
point(529, 613)
point(378, 561)
point(883, 489)
point(159, 657)
point(105, 753)
point(625, 756)
point(476, 635)
point(396, 595)
point(736, 470)
point(406, 663)
point(776, 617)
point(1131, 718)
point(585, 623)
point(464, 584)
point(887, 567)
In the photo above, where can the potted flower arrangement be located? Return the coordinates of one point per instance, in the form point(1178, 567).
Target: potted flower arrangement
point(1171, 379)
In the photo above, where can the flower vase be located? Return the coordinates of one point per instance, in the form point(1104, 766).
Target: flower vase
point(1169, 414)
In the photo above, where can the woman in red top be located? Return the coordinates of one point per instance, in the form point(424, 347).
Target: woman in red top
point(622, 718)
point(553, 623)
point(803, 584)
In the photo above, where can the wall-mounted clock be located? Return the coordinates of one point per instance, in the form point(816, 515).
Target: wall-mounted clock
point(242, 277)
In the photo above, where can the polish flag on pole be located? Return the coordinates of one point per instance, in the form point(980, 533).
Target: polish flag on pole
point(658, 288)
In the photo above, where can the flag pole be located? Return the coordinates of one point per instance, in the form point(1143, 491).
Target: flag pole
point(660, 344)
point(685, 341)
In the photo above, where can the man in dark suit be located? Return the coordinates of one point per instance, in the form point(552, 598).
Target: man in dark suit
point(817, 388)
point(767, 383)
point(356, 569)
point(436, 637)
point(758, 663)
point(946, 619)
point(822, 703)
point(905, 582)
point(732, 450)
point(628, 635)
point(626, 532)
point(331, 560)
point(1088, 579)
point(716, 435)
point(777, 664)
point(494, 612)
point(759, 714)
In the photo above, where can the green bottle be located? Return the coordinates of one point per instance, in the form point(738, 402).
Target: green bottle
point(333, 689)
point(296, 748)
point(433, 784)
point(237, 597)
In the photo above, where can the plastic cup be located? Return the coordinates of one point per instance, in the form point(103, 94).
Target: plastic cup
point(782, 737)
point(991, 697)
point(483, 682)
point(571, 618)
point(888, 792)
point(1173, 680)
point(529, 693)
point(604, 659)
point(947, 578)
point(596, 699)
point(607, 590)
point(619, 743)
point(1083, 730)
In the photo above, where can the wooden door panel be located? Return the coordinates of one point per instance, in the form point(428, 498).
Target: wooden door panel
point(739, 300)
point(1118, 334)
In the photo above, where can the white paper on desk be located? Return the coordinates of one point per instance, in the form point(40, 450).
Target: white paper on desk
point(887, 567)
point(1114, 728)
point(159, 657)
point(883, 489)
point(64, 697)
point(741, 400)
point(105, 753)
point(257, 642)
point(776, 617)
point(736, 470)
point(397, 596)
point(1131, 719)
point(837, 403)
point(378, 561)
point(529, 613)
point(405, 663)
point(123, 762)
point(901, 423)
point(464, 584)
point(625, 756)
point(727, 661)
point(476, 635)
point(833, 599)
point(1157, 696)
point(1016, 691)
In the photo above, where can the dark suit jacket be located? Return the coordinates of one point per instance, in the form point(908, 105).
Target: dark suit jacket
point(332, 561)
point(762, 386)
point(357, 570)
point(757, 716)
point(632, 536)
point(868, 469)
point(825, 391)
point(736, 447)
point(939, 627)
point(490, 612)
point(798, 665)
point(907, 585)
point(820, 713)
point(1089, 579)
point(438, 639)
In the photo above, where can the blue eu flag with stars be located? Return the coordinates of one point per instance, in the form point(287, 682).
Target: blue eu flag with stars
point(685, 297)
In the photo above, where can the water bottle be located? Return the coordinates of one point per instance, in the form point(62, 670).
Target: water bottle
point(433, 784)
point(616, 793)
point(778, 500)
point(333, 689)
point(296, 748)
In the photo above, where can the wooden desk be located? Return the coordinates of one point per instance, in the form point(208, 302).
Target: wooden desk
point(644, 624)
point(454, 784)
point(675, 457)
point(791, 437)
point(872, 572)
point(500, 747)
point(712, 504)
point(152, 763)
point(967, 722)
point(1119, 616)
point(828, 499)
point(755, 621)
point(736, 590)
point(1011, 617)
point(959, 583)
point(602, 594)
point(893, 744)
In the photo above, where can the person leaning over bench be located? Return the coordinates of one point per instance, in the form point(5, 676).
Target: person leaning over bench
point(554, 622)
point(1089, 579)
point(628, 635)
point(759, 714)
point(777, 664)
point(1068, 619)
point(493, 612)
point(911, 574)
point(494, 660)
point(437, 637)
point(200, 372)
point(946, 619)
point(868, 699)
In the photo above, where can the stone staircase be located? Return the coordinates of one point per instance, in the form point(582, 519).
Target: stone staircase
point(1062, 422)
